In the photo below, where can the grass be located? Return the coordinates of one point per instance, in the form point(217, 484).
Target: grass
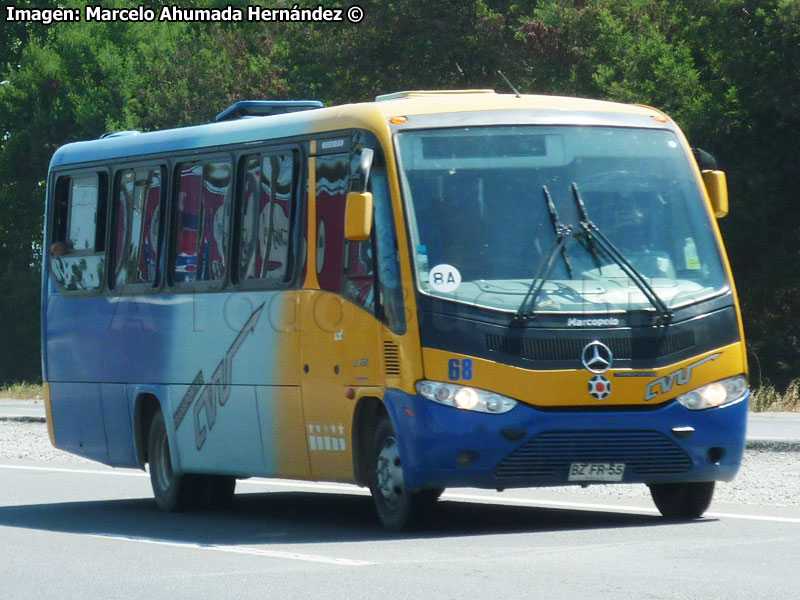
point(767, 398)
point(22, 391)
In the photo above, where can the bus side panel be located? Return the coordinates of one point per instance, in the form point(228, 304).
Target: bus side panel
point(78, 419)
point(108, 339)
point(234, 366)
point(280, 414)
point(217, 438)
point(118, 427)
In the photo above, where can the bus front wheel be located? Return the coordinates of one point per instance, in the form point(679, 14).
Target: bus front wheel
point(171, 490)
point(687, 500)
point(397, 506)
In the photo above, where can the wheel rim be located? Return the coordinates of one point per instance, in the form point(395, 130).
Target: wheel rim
point(162, 463)
point(389, 472)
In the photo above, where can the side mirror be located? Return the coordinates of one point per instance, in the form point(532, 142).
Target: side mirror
point(358, 216)
point(717, 188)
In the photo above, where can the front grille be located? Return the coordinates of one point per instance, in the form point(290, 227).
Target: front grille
point(561, 349)
point(643, 452)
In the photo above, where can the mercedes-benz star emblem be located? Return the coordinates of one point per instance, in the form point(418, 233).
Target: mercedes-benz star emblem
point(597, 357)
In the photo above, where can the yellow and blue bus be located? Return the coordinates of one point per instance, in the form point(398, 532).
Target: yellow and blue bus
point(432, 290)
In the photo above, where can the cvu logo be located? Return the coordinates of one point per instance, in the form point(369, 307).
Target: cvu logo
point(216, 391)
point(681, 376)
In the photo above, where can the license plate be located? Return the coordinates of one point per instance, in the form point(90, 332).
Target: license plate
point(594, 471)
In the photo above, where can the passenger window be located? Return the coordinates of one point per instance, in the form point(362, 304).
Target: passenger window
point(136, 230)
point(359, 275)
point(202, 218)
point(331, 192)
point(390, 289)
point(265, 217)
point(78, 232)
point(347, 267)
point(83, 212)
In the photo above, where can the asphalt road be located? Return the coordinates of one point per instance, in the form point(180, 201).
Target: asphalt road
point(81, 530)
point(773, 426)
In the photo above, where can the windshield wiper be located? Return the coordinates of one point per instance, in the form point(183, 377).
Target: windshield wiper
point(558, 227)
point(595, 238)
point(563, 233)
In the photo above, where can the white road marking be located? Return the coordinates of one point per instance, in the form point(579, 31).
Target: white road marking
point(492, 499)
point(605, 507)
point(83, 471)
point(328, 560)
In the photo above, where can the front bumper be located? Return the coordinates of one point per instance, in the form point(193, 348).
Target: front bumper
point(442, 446)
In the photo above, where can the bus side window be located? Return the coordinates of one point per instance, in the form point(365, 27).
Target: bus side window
point(331, 192)
point(346, 267)
point(389, 282)
point(343, 267)
point(359, 273)
point(78, 233)
point(137, 197)
point(202, 216)
point(265, 217)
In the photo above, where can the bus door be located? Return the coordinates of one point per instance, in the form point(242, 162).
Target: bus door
point(340, 345)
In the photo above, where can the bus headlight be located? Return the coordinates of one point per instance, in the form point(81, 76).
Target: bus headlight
point(714, 394)
point(465, 397)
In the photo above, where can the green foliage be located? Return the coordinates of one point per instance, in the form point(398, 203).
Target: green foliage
point(725, 70)
point(767, 398)
point(22, 391)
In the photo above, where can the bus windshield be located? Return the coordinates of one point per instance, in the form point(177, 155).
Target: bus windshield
point(482, 228)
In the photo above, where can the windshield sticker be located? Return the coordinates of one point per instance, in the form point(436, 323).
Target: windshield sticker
point(690, 253)
point(444, 278)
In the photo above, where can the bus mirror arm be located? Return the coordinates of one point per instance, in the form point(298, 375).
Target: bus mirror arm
point(367, 156)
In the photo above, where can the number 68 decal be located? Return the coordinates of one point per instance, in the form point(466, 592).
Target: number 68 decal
point(459, 369)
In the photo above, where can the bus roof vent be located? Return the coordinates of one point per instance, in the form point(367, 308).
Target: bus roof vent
point(113, 134)
point(265, 108)
point(428, 94)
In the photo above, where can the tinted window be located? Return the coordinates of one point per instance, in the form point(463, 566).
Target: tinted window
point(78, 231)
point(138, 200)
point(265, 217)
point(202, 216)
point(332, 177)
point(83, 212)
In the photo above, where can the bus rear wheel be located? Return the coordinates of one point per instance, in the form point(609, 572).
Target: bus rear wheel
point(682, 501)
point(172, 491)
point(398, 507)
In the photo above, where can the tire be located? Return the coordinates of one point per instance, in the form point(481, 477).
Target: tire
point(173, 492)
point(682, 501)
point(397, 507)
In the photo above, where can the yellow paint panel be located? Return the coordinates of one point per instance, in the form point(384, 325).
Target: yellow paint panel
point(284, 319)
point(311, 280)
point(327, 412)
point(280, 411)
point(48, 409)
point(571, 387)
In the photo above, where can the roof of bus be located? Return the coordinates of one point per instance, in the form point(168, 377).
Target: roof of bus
point(369, 115)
